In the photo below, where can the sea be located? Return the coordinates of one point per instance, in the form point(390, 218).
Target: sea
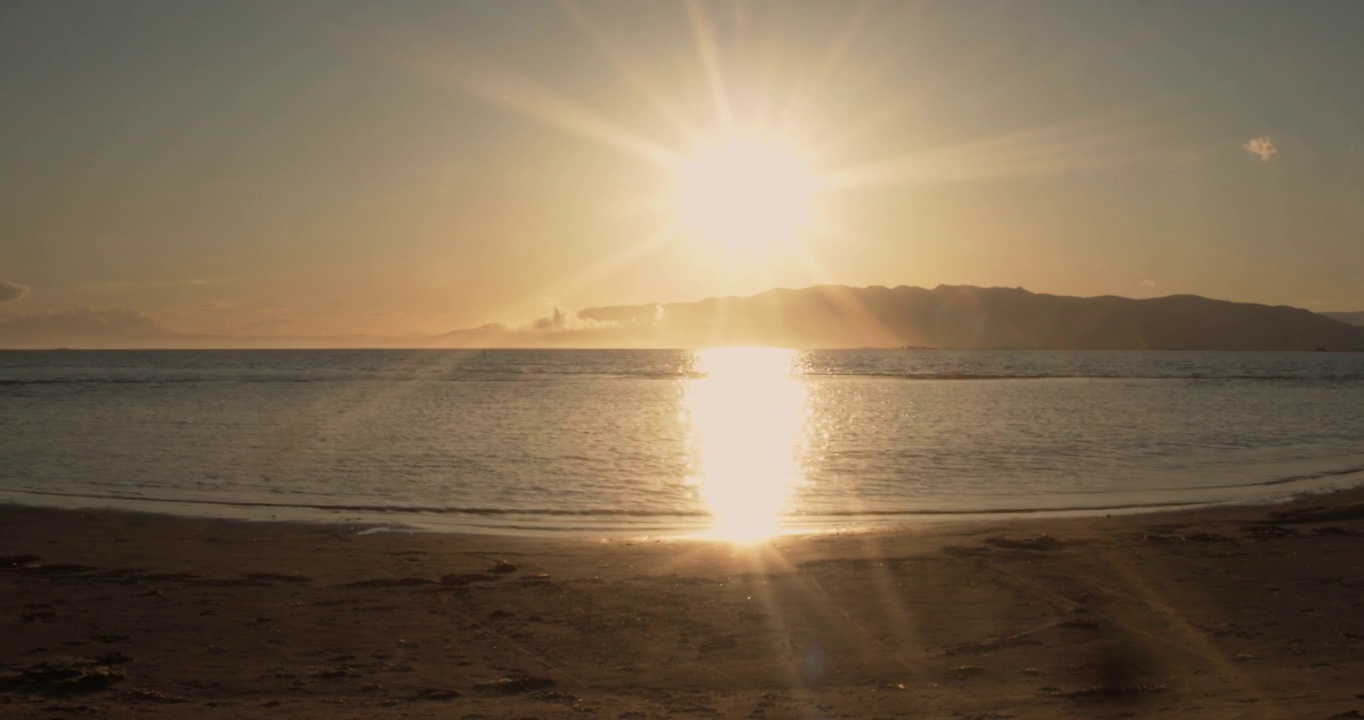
point(735, 442)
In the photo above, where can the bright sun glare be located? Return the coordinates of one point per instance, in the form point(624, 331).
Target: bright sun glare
point(746, 193)
point(747, 417)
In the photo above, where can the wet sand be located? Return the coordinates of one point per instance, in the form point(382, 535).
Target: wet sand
point(1242, 612)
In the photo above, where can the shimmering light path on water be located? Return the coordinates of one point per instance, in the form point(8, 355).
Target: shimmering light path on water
point(735, 442)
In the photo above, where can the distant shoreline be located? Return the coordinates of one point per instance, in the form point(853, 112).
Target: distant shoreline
point(822, 316)
point(427, 348)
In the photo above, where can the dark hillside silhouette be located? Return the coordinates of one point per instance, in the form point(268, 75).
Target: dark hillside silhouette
point(1349, 318)
point(963, 316)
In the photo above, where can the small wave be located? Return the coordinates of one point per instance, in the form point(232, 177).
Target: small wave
point(1314, 476)
point(681, 514)
point(1083, 376)
point(527, 513)
point(376, 508)
point(520, 377)
point(927, 512)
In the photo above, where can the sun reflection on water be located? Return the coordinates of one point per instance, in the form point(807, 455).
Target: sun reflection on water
point(747, 422)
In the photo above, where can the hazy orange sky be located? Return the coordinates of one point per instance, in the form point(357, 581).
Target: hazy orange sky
point(387, 168)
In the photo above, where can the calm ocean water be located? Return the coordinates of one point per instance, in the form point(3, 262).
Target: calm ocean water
point(740, 440)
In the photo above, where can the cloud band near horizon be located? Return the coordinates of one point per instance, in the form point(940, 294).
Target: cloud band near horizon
point(10, 291)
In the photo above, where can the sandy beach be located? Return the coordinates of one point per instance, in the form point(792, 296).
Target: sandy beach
point(1232, 612)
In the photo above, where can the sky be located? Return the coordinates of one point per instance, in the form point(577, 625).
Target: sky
point(348, 168)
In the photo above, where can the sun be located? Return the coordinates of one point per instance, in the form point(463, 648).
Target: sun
point(746, 193)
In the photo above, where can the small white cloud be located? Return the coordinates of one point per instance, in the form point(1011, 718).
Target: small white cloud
point(1262, 146)
point(1147, 283)
point(11, 291)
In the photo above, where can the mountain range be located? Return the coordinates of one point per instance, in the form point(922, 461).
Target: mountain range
point(948, 316)
point(825, 316)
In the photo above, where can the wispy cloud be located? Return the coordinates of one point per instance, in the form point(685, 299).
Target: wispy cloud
point(11, 291)
point(121, 284)
point(1147, 283)
point(1262, 146)
point(81, 325)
